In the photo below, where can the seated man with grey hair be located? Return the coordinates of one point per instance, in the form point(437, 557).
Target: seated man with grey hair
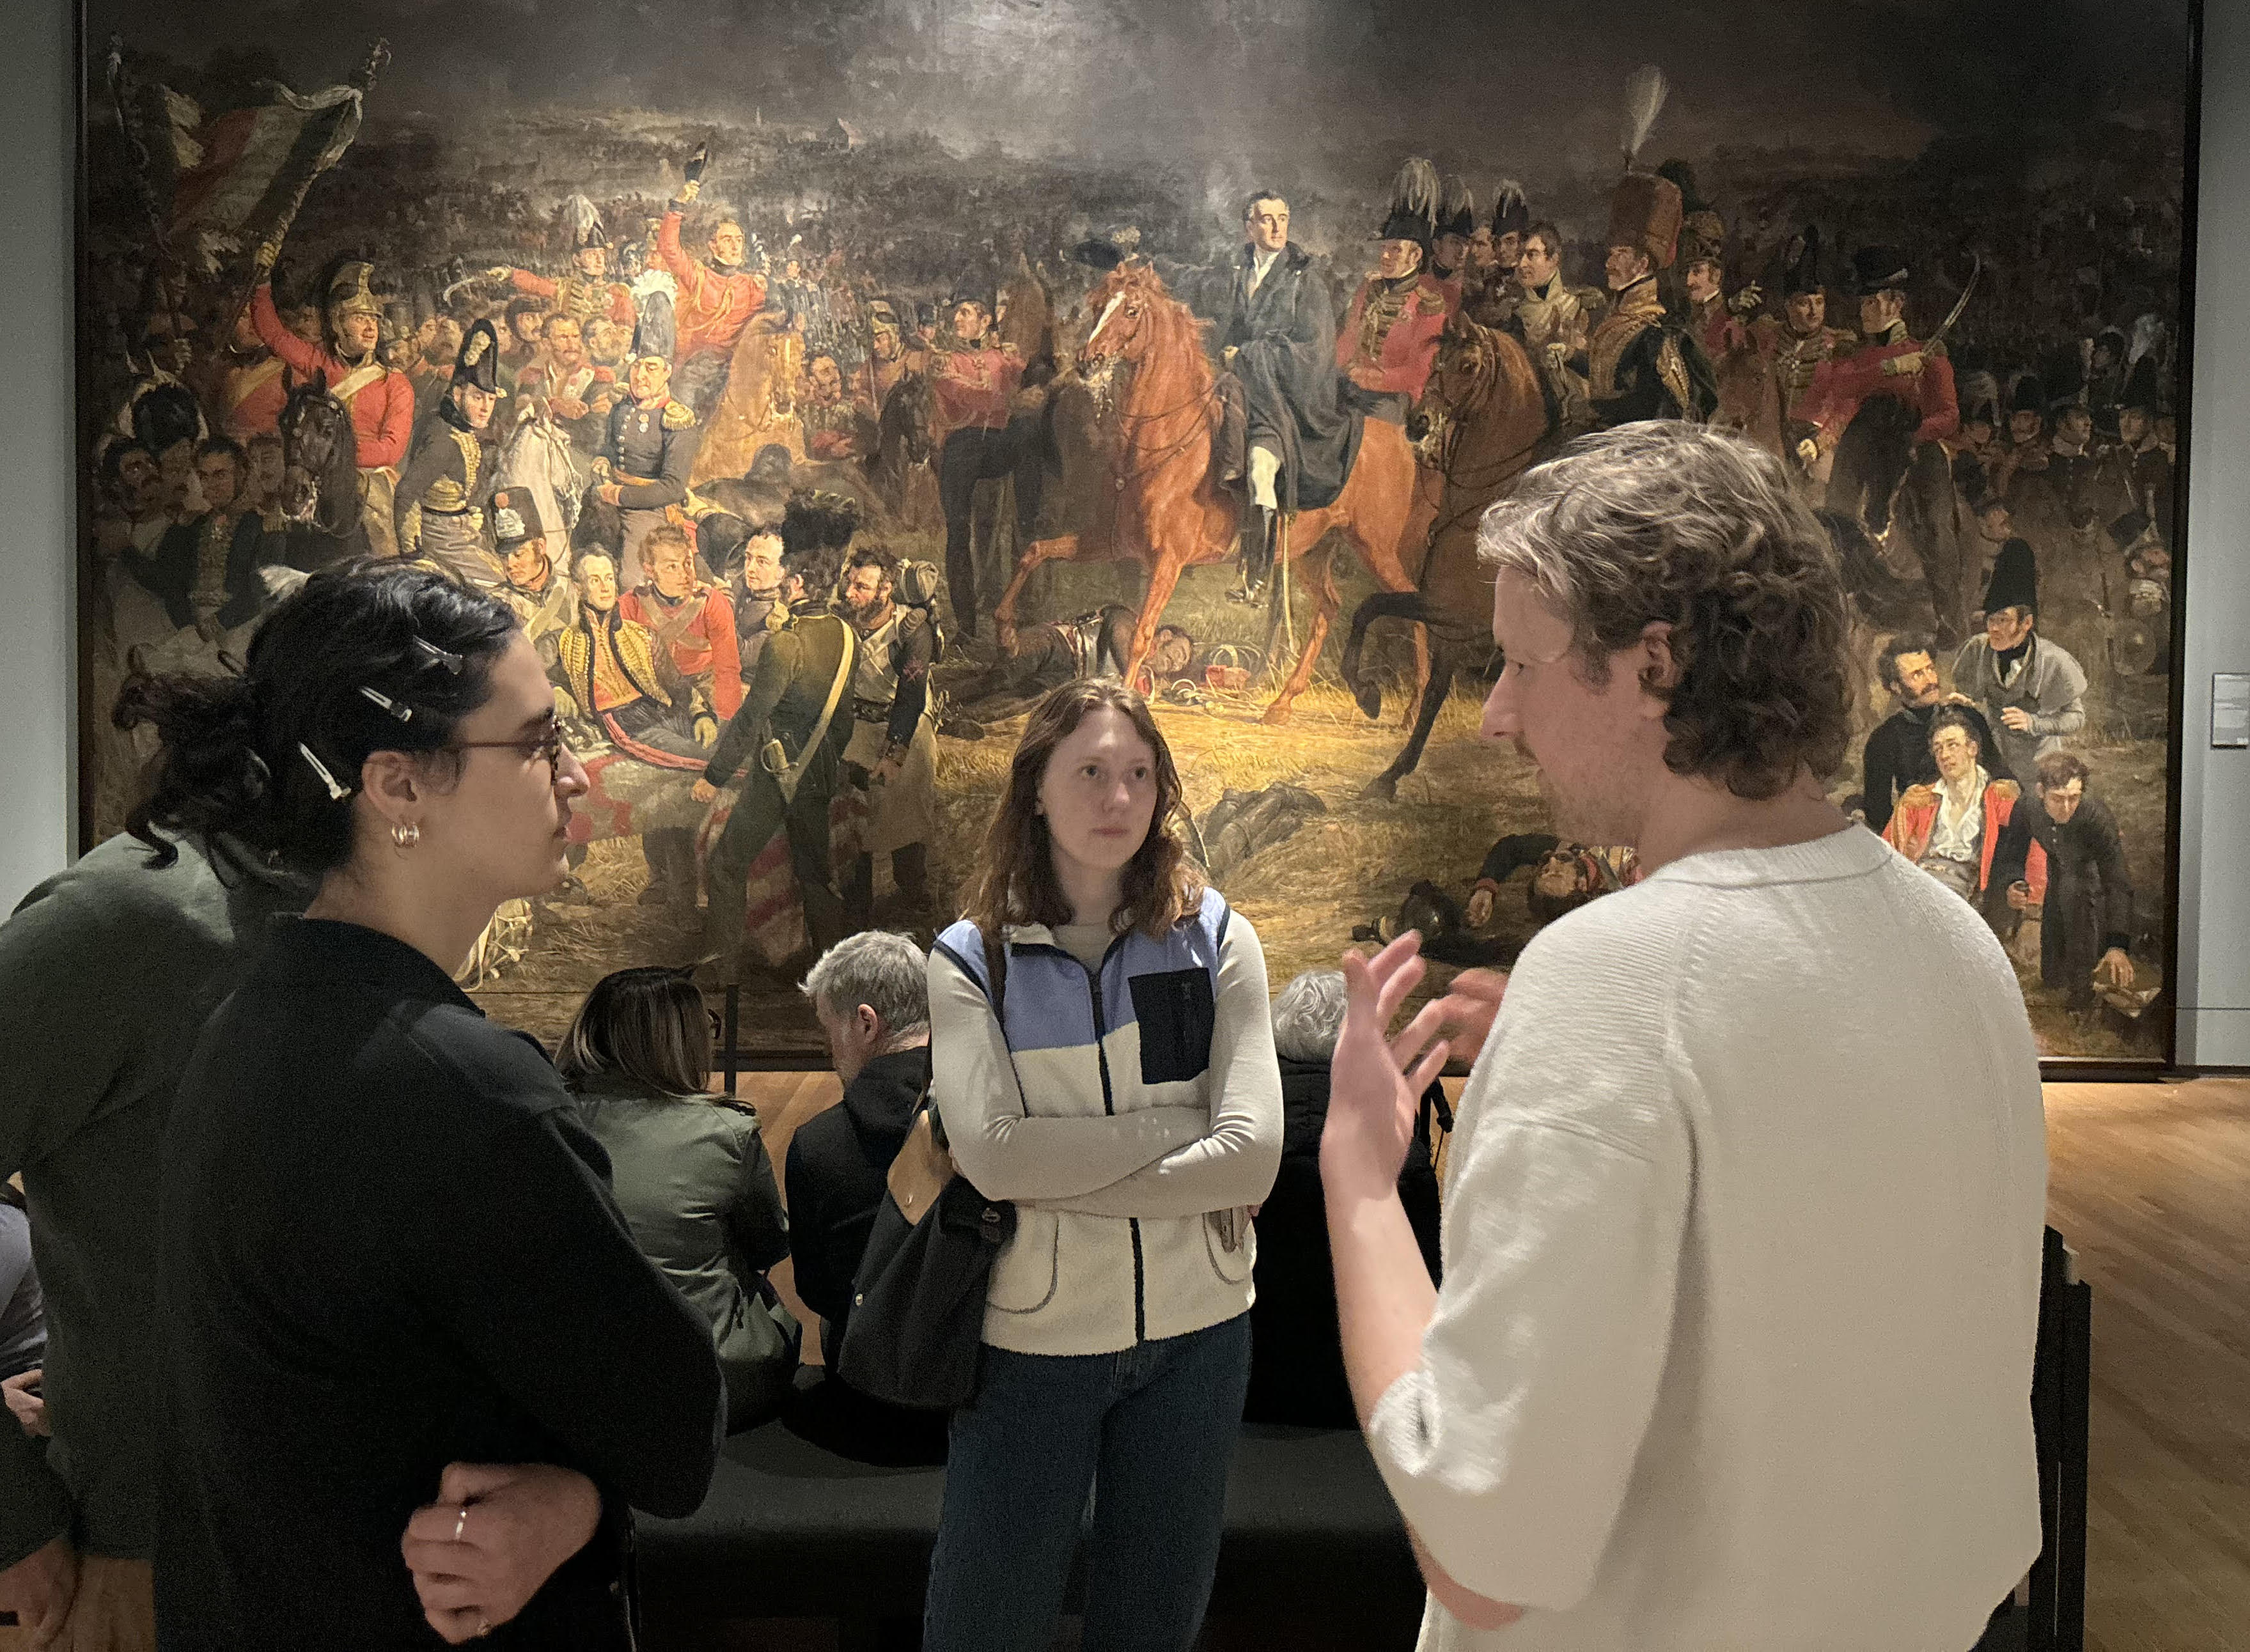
point(871, 993)
point(1296, 1368)
point(1734, 1347)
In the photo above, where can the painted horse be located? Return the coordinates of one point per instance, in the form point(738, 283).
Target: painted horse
point(319, 478)
point(1168, 511)
point(1497, 420)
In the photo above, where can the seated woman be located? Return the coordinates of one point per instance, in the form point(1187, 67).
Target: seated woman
point(689, 1171)
point(1296, 1361)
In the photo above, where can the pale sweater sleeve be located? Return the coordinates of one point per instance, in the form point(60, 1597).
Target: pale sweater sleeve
point(1510, 1448)
point(1233, 1162)
point(1004, 1154)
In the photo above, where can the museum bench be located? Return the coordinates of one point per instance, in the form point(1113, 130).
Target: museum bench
point(791, 1530)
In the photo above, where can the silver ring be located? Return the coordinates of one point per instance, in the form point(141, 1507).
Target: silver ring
point(462, 1523)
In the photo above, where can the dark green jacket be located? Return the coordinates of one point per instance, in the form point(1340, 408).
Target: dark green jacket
point(693, 1177)
point(785, 694)
point(107, 973)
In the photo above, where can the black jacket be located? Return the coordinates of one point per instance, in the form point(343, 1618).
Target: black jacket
point(1284, 339)
point(387, 1245)
point(2089, 892)
point(1296, 1359)
point(837, 1163)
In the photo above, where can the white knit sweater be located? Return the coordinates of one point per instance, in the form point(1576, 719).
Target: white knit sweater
point(1742, 1261)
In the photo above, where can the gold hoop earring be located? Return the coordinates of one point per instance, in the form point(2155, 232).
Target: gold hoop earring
point(407, 836)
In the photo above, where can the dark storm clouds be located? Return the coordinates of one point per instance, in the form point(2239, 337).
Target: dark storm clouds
point(1239, 89)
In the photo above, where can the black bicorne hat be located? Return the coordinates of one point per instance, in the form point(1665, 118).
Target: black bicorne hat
point(2142, 391)
point(2030, 395)
point(1877, 269)
point(1413, 215)
point(1511, 212)
point(477, 365)
point(1800, 270)
point(1456, 209)
point(2126, 531)
point(2015, 579)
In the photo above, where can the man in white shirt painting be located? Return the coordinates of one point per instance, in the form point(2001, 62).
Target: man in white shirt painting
point(1741, 1285)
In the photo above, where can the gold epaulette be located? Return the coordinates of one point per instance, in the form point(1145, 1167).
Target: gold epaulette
point(1431, 299)
point(678, 416)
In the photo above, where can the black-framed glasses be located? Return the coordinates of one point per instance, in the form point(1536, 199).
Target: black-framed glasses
point(547, 743)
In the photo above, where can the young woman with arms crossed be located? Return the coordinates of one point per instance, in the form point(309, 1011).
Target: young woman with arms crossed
point(390, 1259)
point(1102, 1054)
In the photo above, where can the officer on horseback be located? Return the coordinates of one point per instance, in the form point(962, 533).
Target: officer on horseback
point(1282, 423)
point(1641, 363)
point(1881, 412)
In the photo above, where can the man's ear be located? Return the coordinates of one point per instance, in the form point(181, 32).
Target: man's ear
point(1659, 668)
point(871, 1024)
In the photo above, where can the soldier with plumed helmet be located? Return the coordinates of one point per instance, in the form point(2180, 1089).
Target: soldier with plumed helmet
point(381, 402)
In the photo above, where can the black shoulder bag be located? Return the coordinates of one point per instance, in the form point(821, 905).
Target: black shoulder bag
point(918, 1298)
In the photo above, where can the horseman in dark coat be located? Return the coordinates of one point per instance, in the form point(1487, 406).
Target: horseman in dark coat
point(1274, 331)
point(1641, 362)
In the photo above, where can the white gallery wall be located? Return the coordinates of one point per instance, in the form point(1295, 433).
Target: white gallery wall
point(36, 502)
point(2214, 866)
point(36, 505)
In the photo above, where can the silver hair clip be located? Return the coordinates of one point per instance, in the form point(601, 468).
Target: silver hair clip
point(404, 713)
point(450, 662)
point(336, 792)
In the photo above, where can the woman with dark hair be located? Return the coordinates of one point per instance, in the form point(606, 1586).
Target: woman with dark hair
point(689, 1170)
point(1102, 1054)
point(389, 1259)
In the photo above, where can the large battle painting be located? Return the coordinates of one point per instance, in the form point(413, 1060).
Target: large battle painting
point(822, 381)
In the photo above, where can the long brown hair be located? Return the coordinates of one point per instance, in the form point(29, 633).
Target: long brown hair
point(648, 1025)
point(1015, 881)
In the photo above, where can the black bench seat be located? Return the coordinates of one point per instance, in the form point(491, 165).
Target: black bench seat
point(791, 1530)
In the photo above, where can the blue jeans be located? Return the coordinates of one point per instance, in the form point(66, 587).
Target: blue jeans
point(1151, 1430)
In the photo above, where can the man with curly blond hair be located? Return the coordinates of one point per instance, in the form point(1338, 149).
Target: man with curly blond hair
point(1734, 1347)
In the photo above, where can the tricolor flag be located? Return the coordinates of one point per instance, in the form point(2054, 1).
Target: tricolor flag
point(221, 183)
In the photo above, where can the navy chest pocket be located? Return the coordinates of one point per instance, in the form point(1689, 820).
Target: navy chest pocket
point(1174, 1010)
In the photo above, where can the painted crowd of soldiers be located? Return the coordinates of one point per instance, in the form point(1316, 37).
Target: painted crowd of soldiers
point(688, 637)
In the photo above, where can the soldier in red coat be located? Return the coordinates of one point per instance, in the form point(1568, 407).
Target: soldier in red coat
point(382, 403)
point(1889, 366)
point(716, 301)
point(1389, 337)
point(1883, 412)
point(587, 293)
point(249, 384)
point(974, 376)
point(693, 626)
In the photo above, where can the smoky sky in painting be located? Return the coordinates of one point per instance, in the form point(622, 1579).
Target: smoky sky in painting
point(1245, 87)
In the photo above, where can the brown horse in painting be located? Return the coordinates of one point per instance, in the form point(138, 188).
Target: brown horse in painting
point(1167, 509)
point(1496, 422)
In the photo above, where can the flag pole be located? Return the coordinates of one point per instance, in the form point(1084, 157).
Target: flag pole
point(269, 249)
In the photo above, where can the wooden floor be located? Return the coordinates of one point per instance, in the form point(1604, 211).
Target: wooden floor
point(2150, 1186)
